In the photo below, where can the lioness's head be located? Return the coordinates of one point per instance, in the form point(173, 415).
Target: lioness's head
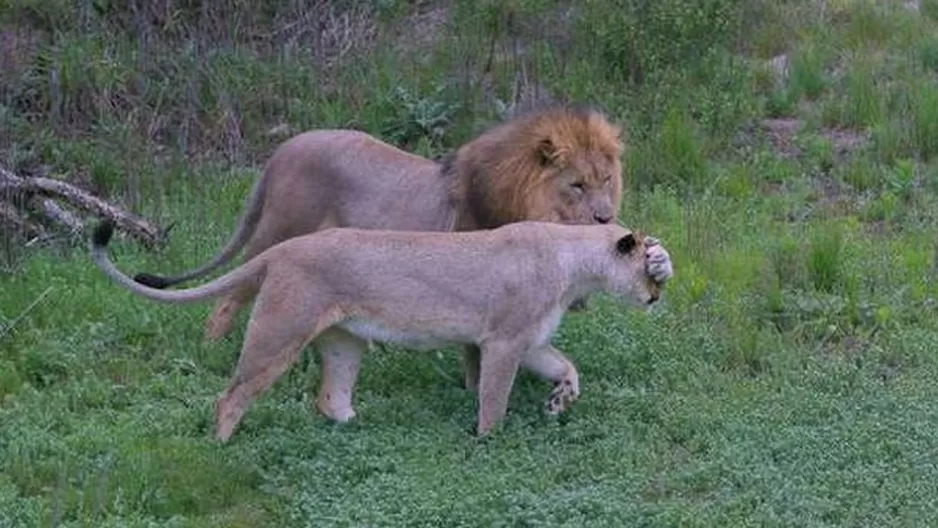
point(629, 278)
point(559, 164)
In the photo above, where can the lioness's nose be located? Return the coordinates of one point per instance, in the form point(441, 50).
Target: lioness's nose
point(602, 218)
point(653, 299)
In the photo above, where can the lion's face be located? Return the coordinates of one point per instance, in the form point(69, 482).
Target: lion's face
point(585, 190)
point(560, 165)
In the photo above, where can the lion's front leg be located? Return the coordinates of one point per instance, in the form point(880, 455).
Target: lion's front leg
point(550, 364)
point(470, 363)
point(657, 261)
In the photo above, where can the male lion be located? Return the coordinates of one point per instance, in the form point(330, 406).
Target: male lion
point(502, 290)
point(558, 164)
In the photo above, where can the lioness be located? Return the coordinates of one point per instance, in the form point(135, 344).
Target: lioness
point(502, 290)
point(557, 164)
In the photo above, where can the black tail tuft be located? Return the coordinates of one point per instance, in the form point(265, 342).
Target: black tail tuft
point(152, 281)
point(102, 234)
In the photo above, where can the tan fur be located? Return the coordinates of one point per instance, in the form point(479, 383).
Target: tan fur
point(503, 291)
point(524, 169)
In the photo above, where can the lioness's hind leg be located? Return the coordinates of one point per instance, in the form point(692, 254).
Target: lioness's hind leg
point(341, 355)
point(551, 365)
point(270, 230)
point(219, 324)
point(279, 328)
point(221, 321)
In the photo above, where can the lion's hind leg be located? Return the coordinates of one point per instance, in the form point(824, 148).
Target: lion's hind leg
point(341, 355)
point(281, 324)
point(470, 362)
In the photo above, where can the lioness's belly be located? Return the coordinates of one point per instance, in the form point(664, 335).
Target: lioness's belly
point(376, 331)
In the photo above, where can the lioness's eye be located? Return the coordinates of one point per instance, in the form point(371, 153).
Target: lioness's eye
point(578, 186)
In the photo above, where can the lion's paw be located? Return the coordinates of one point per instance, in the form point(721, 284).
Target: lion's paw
point(565, 393)
point(341, 414)
point(657, 261)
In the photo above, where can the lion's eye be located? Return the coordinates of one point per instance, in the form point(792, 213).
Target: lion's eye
point(578, 186)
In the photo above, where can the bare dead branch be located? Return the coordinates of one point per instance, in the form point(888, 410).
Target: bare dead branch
point(50, 209)
point(136, 227)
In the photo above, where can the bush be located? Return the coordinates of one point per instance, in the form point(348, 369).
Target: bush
point(637, 40)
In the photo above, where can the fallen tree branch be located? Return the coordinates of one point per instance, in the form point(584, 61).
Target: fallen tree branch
point(50, 209)
point(42, 189)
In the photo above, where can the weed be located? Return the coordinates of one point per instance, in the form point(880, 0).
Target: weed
point(862, 101)
point(673, 155)
point(824, 264)
point(806, 78)
point(420, 118)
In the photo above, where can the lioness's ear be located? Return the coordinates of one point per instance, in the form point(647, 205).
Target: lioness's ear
point(626, 244)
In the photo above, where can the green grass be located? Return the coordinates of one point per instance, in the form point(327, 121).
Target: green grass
point(788, 378)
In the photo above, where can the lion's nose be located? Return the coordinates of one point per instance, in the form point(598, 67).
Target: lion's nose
point(602, 218)
point(653, 299)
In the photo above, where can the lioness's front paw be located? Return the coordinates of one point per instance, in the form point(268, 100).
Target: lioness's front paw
point(565, 393)
point(657, 261)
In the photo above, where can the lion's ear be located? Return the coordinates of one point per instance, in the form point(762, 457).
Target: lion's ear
point(626, 244)
point(548, 153)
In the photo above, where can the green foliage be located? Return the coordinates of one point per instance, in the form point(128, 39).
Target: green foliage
point(673, 154)
point(861, 106)
point(636, 40)
point(825, 267)
point(927, 52)
point(912, 130)
point(420, 118)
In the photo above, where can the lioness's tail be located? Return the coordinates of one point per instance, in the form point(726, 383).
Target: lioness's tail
point(246, 225)
point(250, 270)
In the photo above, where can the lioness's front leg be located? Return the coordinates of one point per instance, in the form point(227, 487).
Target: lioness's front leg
point(341, 355)
point(498, 367)
point(657, 261)
point(550, 364)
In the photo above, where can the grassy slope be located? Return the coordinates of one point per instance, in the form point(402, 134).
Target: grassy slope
point(787, 380)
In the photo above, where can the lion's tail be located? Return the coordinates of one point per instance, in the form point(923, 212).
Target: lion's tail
point(102, 236)
point(253, 208)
